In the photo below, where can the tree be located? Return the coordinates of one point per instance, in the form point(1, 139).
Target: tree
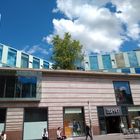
point(66, 52)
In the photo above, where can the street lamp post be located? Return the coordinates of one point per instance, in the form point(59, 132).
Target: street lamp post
point(90, 120)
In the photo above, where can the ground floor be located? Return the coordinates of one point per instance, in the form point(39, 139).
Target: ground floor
point(28, 123)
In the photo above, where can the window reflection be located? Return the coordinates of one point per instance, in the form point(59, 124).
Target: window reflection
point(18, 86)
point(28, 85)
point(122, 92)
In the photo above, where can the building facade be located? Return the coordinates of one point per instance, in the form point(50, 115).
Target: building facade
point(125, 62)
point(10, 57)
point(31, 100)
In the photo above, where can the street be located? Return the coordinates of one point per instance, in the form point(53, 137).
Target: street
point(111, 137)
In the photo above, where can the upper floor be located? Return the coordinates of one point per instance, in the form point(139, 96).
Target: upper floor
point(125, 62)
point(10, 57)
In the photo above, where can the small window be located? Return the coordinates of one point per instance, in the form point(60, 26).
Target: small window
point(24, 61)
point(106, 61)
point(11, 58)
point(36, 63)
point(45, 65)
point(93, 63)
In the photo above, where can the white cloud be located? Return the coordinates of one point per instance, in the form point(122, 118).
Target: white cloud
point(130, 16)
point(34, 49)
point(96, 27)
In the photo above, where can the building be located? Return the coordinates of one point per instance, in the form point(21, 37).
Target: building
point(31, 100)
point(125, 62)
point(10, 57)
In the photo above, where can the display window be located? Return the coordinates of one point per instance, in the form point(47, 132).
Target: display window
point(74, 124)
point(134, 117)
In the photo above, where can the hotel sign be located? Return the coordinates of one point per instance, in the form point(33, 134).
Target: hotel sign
point(112, 111)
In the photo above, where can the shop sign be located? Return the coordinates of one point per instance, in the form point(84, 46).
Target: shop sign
point(112, 111)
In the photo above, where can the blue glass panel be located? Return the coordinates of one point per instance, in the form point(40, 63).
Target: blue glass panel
point(45, 65)
point(36, 63)
point(137, 70)
point(0, 54)
point(93, 63)
point(132, 59)
point(24, 61)
point(27, 86)
point(12, 55)
point(106, 61)
point(122, 92)
point(126, 70)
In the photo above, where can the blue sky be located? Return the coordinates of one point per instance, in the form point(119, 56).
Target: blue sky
point(100, 26)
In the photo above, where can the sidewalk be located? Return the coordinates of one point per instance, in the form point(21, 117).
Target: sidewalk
point(111, 137)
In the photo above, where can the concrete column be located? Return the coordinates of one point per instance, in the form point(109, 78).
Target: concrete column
point(18, 61)
point(100, 62)
point(5, 54)
point(30, 61)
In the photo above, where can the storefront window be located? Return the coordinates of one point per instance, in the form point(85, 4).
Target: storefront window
point(35, 120)
point(74, 122)
point(122, 92)
point(134, 117)
point(2, 119)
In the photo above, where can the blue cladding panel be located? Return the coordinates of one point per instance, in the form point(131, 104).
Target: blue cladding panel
point(106, 61)
point(132, 59)
point(93, 63)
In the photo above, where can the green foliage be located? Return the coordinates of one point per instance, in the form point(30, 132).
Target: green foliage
point(66, 52)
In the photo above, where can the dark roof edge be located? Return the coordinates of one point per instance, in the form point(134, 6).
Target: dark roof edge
point(48, 71)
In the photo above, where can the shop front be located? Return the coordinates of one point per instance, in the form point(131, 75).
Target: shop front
point(134, 116)
point(2, 119)
point(35, 120)
point(111, 117)
point(74, 122)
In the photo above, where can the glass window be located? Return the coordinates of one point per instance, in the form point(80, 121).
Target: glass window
point(122, 92)
point(2, 86)
point(36, 64)
point(2, 118)
point(132, 59)
point(93, 63)
point(18, 87)
point(35, 120)
point(74, 121)
point(134, 116)
point(10, 87)
point(106, 61)
point(126, 70)
point(26, 87)
point(11, 58)
point(24, 61)
point(120, 60)
point(137, 70)
point(45, 65)
point(0, 53)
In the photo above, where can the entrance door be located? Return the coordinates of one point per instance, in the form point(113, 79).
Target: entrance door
point(113, 124)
